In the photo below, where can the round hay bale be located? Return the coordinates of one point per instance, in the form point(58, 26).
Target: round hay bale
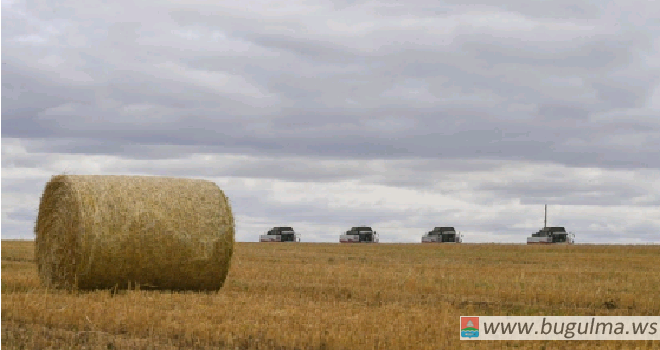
point(97, 231)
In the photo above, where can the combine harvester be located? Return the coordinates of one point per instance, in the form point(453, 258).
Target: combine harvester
point(556, 235)
point(442, 235)
point(360, 234)
point(280, 234)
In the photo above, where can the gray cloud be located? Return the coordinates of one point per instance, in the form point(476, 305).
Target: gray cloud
point(568, 191)
point(418, 98)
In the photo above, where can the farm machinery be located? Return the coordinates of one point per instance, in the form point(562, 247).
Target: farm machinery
point(551, 234)
point(359, 234)
point(442, 235)
point(280, 234)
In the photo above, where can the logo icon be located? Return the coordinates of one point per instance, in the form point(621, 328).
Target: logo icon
point(469, 327)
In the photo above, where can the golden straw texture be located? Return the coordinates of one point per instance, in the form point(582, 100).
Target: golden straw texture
point(98, 231)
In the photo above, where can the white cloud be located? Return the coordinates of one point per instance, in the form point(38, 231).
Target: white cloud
point(405, 115)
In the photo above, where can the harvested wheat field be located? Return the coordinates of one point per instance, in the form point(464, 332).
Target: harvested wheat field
point(332, 296)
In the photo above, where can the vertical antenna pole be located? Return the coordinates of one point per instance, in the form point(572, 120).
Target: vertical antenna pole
point(545, 218)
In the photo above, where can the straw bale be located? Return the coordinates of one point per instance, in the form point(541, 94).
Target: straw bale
point(98, 231)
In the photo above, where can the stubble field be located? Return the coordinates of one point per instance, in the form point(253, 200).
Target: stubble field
point(332, 296)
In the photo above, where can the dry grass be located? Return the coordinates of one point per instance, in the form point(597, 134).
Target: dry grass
point(332, 296)
point(100, 231)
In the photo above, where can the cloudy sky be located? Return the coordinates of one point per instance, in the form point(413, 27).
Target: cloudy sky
point(402, 115)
